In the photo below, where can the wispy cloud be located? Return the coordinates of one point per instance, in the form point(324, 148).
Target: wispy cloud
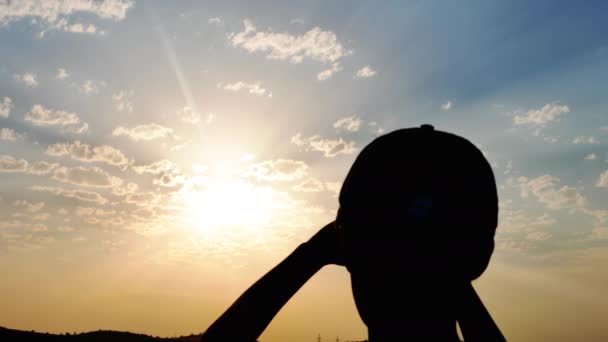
point(541, 117)
point(365, 72)
point(12, 164)
point(447, 105)
point(56, 15)
point(585, 140)
point(41, 116)
point(309, 185)
point(28, 78)
point(591, 156)
point(5, 107)
point(188, 115)
point(547, 190)
point(215, 20)
point(86, 176)
point(329, 72)
point(82, 195)
point(90, 87)
point(329, 147)
point(122, 101)
point(278, 170)
point(87, 153)
point(62, 74)
point(9, 134)
point(143, 132)
point(253, 88)
point(315, 44)
point(349, 123)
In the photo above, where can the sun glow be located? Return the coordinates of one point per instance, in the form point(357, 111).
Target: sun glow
point(231, 203)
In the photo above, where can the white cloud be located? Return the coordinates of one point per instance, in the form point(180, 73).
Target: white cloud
point(55, 15)
point(538, 236)
point(142, 199)
point(329, 147)
point(591, 156)
point(333, 187)
point(83, 152)
point(5, 107)
point(278, 170)
point(253, 88)
point(29, 207)
point(602, 181)
point(188, 115)
point(28, 78)
point(86, 176)
point(82, 195)
point(89, 87)
point(329, 72)
point(41, 168)
point(169, 180)
point(585, 140)
point(41, 116)
point(9, 134)
point(376, 128)
point(122, 101)
point(542, 116)
point(143, 132)
point(349, 123)
point(156, 168)
point(545, 189)
point(62, 73)
point(215, 20)
point(315, 44)
point(309, 185)
point(447, 105)
point(366, 72)
point(11, 164)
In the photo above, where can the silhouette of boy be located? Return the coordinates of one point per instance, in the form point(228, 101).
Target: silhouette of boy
point(416, 223)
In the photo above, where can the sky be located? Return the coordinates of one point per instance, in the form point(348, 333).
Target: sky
point(157, 158)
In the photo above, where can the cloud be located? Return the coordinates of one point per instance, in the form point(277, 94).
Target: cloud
point(376, 128)
point(143, 132)
point(55, 15)
point(28, 78)
point(9, 134)
point(309, 185)
point(542, 116)
point(142, 199)
point(585, 140)
point(83, 152)
point(82, 195)
point(447, 105)
point(278, 170)
point(169, 180)
point(315, 44)
point(215, 21)
point(5, 107)
point(329, 147)
point(11, 164)
point(41, 168)
point(89, 87)
point(122, 101)
point(29, 207)
point(366, 72)
point(41, 116)
point(545, 189)
point(86, 176)
point(188, 115)
point(602, 181)
point(328, 73)
point(538, 236)
point(349, 123)
point(591, 156)
point(253, 88)
point(156, 168)
point(62, 74)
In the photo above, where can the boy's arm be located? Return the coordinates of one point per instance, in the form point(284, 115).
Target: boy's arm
point(251, 313)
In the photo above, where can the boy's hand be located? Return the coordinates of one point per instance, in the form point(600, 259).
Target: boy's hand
point(327, 244)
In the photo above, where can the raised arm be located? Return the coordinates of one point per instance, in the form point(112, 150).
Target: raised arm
point(251, 313)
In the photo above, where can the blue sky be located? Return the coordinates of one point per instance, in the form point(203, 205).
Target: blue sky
point(117, 115)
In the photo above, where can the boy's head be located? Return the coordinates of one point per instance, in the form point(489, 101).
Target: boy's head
point(418, 212)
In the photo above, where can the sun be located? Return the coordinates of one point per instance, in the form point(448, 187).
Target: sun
point(230, 203)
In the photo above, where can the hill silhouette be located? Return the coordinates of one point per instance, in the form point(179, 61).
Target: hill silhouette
point(93, 336)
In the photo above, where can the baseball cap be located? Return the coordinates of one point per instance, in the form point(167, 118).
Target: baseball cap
point(421, 193)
